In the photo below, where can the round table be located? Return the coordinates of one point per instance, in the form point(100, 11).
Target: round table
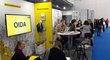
point(70, 38)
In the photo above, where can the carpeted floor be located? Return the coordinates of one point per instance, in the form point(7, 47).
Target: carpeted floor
point(101, 48)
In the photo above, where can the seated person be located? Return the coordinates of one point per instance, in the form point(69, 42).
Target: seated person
point(55, 53)
point(40, 49)
point(19, 55)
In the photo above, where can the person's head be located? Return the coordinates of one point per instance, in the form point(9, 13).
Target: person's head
point(63, 22)
point(79, 22)
point(40, 42)
point(20, 45)
point(102, 19)
point(73, 22)
point(86, 22)
point(57, 44)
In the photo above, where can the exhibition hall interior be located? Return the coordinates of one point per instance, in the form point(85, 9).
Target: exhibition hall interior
point(54, 30)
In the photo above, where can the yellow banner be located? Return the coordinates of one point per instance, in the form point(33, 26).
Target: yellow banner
point(43, 11)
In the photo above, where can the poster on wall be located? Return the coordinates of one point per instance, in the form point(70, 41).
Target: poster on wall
point(56, 18)
point(17, 24)
point(76, 15)
point(43, 17)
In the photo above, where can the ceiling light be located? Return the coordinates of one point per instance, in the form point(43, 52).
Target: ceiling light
point(44, 0)
point(57, 5)
point(64, 8)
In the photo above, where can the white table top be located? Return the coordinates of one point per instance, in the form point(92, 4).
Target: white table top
point(78, 28)
point(69, 33)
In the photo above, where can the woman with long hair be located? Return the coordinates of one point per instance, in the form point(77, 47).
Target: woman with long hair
point(86, 31)
point(79, 23)
point(19, 55)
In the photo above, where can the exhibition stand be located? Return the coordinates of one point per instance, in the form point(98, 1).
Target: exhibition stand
point(31, 22)
point(21, 23)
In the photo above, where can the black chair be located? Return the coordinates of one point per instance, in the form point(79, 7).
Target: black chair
point(79, 52)
point(89, 36)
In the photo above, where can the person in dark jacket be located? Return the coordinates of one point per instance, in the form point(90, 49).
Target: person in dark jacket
point(102, 20)
point(79, 23)
point(99, 27)
point(56, 52)
point(107, 23)
point(73, 25)
point(92, 26)
point(19, 55)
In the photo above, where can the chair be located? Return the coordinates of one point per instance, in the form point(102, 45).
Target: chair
point(80, 49)
point(88, 37)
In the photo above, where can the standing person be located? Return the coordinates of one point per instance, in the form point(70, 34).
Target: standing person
point(86, 30)
point(73, 25)
point(107, 22)
point(95, 25)
point(79, 23)
point(19, 55)
point(61, 28)
point(102, 23)
point(99, 27)
point(92, 26)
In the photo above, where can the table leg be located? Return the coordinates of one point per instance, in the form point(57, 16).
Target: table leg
point(69, 42)
point(69, 45)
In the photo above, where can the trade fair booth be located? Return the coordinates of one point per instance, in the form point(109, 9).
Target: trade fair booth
point(19, 20)
point(35, 22)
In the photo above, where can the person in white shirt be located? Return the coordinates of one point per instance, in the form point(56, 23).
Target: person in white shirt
point(86, 31)
point(86, 28)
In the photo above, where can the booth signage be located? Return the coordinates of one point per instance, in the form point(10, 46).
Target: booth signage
point(18, 24)
point(12, 5)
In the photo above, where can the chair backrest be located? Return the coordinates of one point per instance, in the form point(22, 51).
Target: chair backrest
point(87, 35)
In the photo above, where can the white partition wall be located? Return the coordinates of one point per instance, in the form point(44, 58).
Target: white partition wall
point(100, 7)
point(76, 14)
point(56, 14)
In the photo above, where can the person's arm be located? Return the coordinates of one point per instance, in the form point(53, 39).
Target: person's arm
point(18, 56)
point(57, 28)
point(82, 27)
point(90, 27)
